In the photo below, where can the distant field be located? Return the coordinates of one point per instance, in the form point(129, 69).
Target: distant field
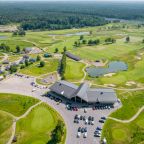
point(13, 42)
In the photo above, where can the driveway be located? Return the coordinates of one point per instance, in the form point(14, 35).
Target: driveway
point(23, 86)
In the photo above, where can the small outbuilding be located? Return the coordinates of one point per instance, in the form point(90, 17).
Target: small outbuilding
point(72, 56)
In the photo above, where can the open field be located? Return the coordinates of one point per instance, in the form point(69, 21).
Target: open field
point(37, 126)
point(51, 65)
point(132, 102)
point(74, 71)
point(15, 104)
point(120, 133)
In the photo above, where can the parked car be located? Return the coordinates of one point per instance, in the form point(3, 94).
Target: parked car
point(85, 129)
point(99, 128)
point(103, 118)
point(85, 135)
point(79, 129)
point(82, 130)
point(85, 110)
point(86, 121)
point(78, 134)
point(101, 121)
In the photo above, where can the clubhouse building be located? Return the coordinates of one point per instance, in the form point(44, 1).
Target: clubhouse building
point(84, 94)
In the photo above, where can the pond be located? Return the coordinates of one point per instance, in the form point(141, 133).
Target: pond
point(71, 34)
point(113, 67)
point(3, 37)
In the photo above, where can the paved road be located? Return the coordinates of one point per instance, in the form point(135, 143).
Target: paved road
point(23, 86)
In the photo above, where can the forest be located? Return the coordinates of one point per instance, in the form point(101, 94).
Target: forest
point(65, 15)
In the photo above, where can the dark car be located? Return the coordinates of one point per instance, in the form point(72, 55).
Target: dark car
point(84, 117)
point(76, 116)
point(81, 117)
point(79, 129)
point(85, 129)
point(89, 118)
point(101, 121)
point(82, 130)
point(98, 128)
point(103, 118)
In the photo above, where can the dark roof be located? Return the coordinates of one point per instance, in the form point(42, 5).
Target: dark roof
point(91, 95)
point(64, 88)
point(74, 57)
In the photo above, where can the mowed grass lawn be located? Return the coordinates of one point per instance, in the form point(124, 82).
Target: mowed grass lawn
point(129, 133)
point(74, 70)
point(51, 65)
point(36, 128)
point(131, 103)
point(5, 127)
point(16, 104)
point(13, 42)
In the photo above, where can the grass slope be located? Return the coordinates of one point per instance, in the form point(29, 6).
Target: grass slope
point(15, 104)
point(37, 126)
point(5, 127)
point(130, 133)
point(132, 102)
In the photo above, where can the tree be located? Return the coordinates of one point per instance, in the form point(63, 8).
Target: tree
point(75, 43)
point(84, 41)
point(17, 49)
point(143, 41)
point(56, 50)
point(26, 62)
point(81, 37)
point(13, 69)
point(63, 65)
point(42, 63)
point(38, 58)
point(65, 49)
point(127, 39)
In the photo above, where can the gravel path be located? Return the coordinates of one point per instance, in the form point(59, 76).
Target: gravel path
point(131, 119)
point(18, 118)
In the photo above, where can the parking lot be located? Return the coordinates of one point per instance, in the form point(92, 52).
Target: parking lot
point(22, 85)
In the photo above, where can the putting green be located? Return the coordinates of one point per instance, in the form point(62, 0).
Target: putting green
point(36, 128)
point(119, 134)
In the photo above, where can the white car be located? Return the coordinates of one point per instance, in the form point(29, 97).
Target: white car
point(78, 134)
point(85, 110)
point(85, 135)
point(92, 122)
point(33, 90)
point(86, 121)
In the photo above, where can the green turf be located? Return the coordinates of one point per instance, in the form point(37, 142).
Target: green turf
point(119, 133)
point(5, 127)
point(51, 65)
point(16, 104)
point(131, 103)
point(37, 126)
